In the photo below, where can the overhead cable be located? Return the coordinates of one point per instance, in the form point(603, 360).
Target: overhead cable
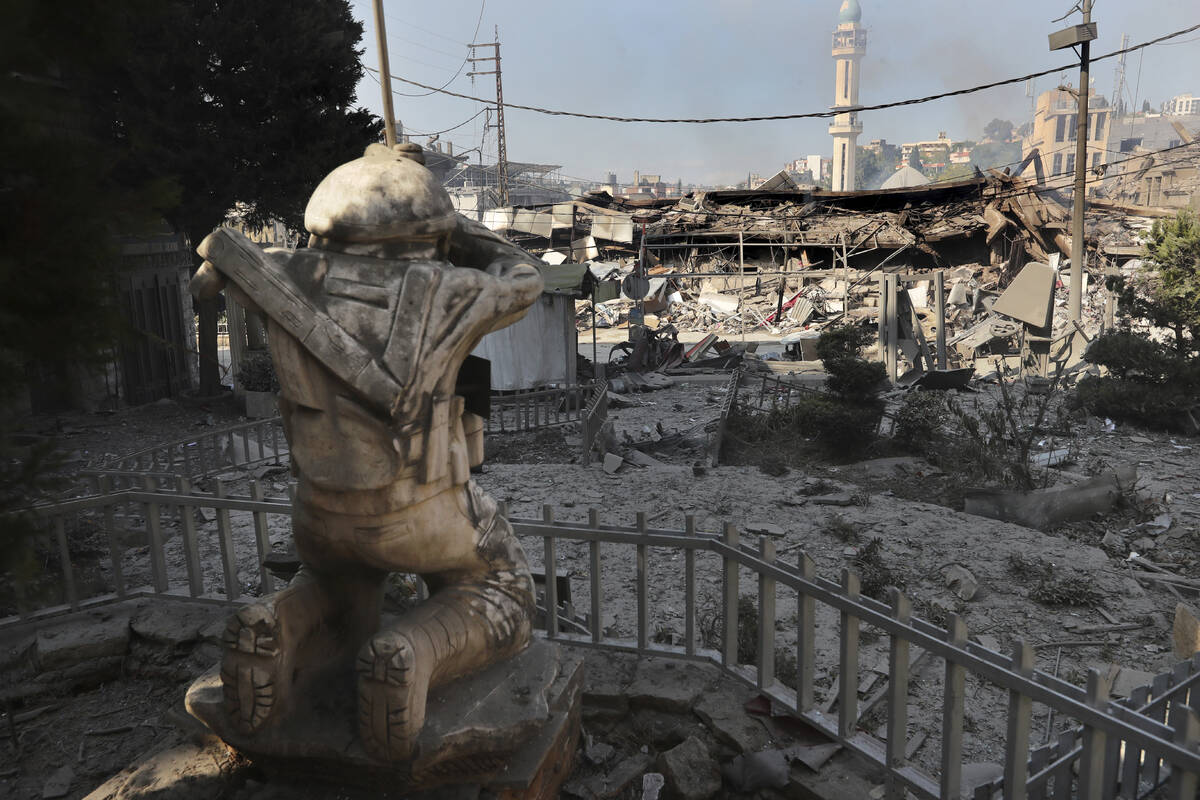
point(808, 115)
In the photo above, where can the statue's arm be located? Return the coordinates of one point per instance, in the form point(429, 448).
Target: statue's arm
point(515, 278)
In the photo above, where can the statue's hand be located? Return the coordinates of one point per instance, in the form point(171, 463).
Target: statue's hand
point(207, 283)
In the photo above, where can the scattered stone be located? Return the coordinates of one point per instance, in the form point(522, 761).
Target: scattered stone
point(598, 753)
point(690, 772)
point(173, 624)
point(663, 729)
point(652, 785)
point(989, 642)
point(94, 637)
point(59, 783)
point(1143, 544)
point(977, 774)
point(961, 581)
point(1129, 679)
point(666, 685)
point(839, 499)
point(764, 528)
point(753, 771)
point(1113, 543)
point(613, 783)
point(813, 756)
point(1186, 632)
point(730, 724)
point(640, 459)
point(612, 463)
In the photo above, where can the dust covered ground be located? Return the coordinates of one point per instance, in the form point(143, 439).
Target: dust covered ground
point(898, 507)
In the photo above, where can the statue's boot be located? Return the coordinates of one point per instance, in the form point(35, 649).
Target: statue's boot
point(468, 624)
point(265, 643)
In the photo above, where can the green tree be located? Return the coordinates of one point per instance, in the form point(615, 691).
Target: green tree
point(1166, 291)
point(914, 159)
point(998, 130)
point(234, 102)
point(956, 172)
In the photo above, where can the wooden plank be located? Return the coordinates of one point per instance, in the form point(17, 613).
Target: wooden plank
point(766, 616)
point(1184, 784)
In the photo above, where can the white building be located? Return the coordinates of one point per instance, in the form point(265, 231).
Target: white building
point(1182, 104)
point(849, 46)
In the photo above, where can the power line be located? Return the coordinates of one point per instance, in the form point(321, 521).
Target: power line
point(457, 72)
point(447, 130)
point(808, 115)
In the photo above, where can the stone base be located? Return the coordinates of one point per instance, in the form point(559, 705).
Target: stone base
point(511, 729)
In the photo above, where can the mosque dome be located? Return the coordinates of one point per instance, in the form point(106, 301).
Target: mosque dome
point(850, 11)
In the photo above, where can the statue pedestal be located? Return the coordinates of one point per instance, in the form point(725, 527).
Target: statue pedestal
point(511, 728)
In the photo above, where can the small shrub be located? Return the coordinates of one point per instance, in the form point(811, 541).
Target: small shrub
point(919, 420)
point(875, 576)
point(1149, 384)
point(1066, 590)
point(1129, 356)
point(257, 373)
point(838, 527)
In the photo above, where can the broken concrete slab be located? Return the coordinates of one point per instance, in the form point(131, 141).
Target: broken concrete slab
point(728, 721)
point(59, 784)
point(976, 774)
point(961, 581)
point(667, 685)
point(690, 771)
point(1185, 632)
point(612, 783)
point(612, 463)
point(753, 771)
point(175, 625)
point(97, 635)
point(763, 528)
point(1030, 296)
point(1044, 508)
point(839, 499)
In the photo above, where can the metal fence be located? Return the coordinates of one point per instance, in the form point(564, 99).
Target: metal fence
point(1127, 750)
point(762, 394)
point(595, 414)
point(542, 408)
point(246, 445)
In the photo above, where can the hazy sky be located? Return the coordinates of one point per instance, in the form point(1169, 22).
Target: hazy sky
point(705, 58)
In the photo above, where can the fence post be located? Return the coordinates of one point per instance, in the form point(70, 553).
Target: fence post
point(1184, 784)
point(550, 567)
point(596, 590)
point(1131, 766)
point(1091, 760)
point(806, 638)
point(191, 554)
point(64, 556)
point(643, 596)
point(262, 539)
point(897, 720)
point(848, 660)
point(729, 582)
point(225, 538)
point(1020, 721)
point(689, 587)
point(110, 528)
point(766, 616)
point(952, 713)
point(158, 562)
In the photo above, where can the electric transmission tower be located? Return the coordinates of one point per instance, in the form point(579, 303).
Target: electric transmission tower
point(501, 147)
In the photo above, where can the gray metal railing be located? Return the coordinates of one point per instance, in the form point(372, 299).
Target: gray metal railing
point(762, 394)
point(541, 408)
point(1115, 749)
point(594, 416)
point(246, 445)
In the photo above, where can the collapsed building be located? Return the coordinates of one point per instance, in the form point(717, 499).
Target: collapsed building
point(788, 261)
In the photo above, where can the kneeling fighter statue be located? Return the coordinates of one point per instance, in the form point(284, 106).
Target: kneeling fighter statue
point(368, 329)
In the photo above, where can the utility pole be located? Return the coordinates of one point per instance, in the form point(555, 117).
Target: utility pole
point(385, 77)
point(501, 146)
point(1081, 35)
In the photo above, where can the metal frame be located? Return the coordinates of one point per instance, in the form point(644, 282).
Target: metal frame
point(1118, 750)
point(540, 408)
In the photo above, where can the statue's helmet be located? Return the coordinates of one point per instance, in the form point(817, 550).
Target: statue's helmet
point(386, 196)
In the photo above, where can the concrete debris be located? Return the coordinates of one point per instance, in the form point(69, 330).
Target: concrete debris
point(59, 784)
point(612, 463)
point(652, 785)
point(961, 581)
point(666, 685)
point(753, 771)
point(690, 771)
point(1044, 508)
point(1185, 632)
point(730, 724)
point(96, 637)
